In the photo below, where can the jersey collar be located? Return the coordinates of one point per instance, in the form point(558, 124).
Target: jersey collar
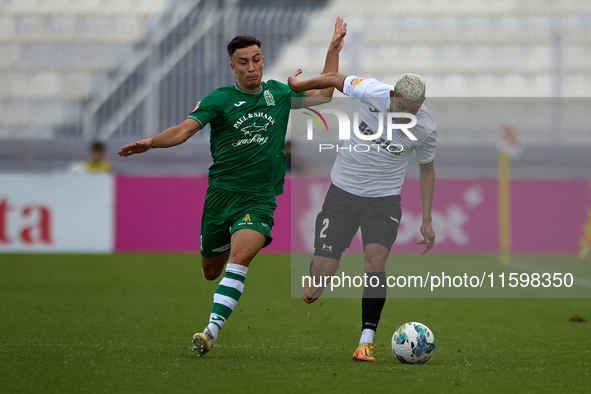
point(244, 91)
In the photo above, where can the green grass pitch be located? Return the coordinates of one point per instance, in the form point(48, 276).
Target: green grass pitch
point(123, 323)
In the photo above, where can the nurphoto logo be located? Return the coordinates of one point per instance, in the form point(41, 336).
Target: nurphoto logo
point(361, 131)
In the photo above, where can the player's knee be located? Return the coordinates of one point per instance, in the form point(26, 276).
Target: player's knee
point(323, 266)
point(211, 273)
point(242, 258)
point(375, 263)
point(211, 269)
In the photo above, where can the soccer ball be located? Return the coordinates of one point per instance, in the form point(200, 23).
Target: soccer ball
point(413, 343)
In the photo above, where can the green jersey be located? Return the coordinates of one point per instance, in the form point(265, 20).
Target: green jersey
point(247, 136)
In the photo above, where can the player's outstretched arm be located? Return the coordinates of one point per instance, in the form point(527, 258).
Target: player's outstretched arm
point(331, 64)
point(170, 137)
point(328, 80)
point(427, 185)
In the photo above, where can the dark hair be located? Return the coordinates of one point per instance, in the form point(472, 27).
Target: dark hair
point(97, 147)
point(239, 42)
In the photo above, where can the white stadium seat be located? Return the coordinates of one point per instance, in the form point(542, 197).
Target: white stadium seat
point(62, 57)
point(57, 51)
point(44, 85)
point(72, 29)
point(83, 7)
point(17, 114)
point(466, 47)
point(54, 53)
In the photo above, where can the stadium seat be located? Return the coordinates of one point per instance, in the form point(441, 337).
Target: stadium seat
point(54, 52)
point(47, 114)
point(505, 47)
point(83, 7)
point(44, 85)
point(63, 57)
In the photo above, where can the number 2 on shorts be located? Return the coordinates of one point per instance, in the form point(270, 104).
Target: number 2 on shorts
point(325, 224)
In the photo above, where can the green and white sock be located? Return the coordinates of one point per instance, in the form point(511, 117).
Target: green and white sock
point(226, 297)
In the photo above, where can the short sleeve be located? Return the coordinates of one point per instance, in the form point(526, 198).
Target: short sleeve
point(426, 149)
point(209, 108)
point(296, 100)
point(355, 87)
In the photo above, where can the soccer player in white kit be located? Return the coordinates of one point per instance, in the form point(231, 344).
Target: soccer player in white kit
point(365, 188)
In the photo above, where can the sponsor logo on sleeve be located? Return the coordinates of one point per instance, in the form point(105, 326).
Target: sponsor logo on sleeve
point(356, 81)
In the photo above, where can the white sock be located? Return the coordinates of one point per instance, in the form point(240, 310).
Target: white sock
point(215, 330)
point(367, 336)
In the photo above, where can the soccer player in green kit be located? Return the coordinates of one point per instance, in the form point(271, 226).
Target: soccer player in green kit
point(248, 126)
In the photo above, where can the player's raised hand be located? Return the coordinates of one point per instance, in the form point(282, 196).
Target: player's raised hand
point(338, 37)
point(428, 237)
point(293, 82)
point(136, 147)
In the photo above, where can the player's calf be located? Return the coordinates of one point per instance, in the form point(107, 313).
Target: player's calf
point(321, 271)
point(375, 257)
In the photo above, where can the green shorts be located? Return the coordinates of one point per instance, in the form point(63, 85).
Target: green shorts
point(225, 212)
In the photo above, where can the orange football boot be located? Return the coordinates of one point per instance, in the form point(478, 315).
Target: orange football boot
point(311, 293)
point(364, 353)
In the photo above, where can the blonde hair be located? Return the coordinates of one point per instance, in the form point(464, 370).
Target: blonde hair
point(410, 86)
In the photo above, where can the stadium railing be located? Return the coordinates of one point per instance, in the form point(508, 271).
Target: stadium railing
point(181, 65)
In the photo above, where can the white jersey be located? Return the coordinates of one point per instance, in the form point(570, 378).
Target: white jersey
point(380, 170)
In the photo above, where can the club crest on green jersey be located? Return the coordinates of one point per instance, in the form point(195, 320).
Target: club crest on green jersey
point(269, 98)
